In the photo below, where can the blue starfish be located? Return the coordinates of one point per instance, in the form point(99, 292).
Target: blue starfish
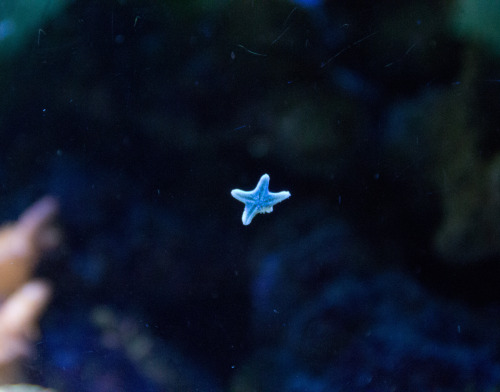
point(258, 201)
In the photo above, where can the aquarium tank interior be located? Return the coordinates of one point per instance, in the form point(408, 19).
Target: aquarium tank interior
point(249, 196)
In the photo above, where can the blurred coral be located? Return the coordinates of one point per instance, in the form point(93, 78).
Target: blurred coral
point(24, 388)
point(22, 244)
point(159, 361)
point(23, 300)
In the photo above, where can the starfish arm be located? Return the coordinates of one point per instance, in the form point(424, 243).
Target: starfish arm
point(262, 188)
point(249, 212)
point(243, 196)
point(275, 198)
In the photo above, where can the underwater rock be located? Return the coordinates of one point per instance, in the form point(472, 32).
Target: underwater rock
point(382, 332)
point(447, 141)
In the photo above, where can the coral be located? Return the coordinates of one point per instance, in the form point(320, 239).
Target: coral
point(23, 299)
point(160, 362)
point(24, 388)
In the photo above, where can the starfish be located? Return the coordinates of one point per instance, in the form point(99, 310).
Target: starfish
point(258, 201)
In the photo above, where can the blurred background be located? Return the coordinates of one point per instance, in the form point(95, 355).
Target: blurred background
point(380, 273)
